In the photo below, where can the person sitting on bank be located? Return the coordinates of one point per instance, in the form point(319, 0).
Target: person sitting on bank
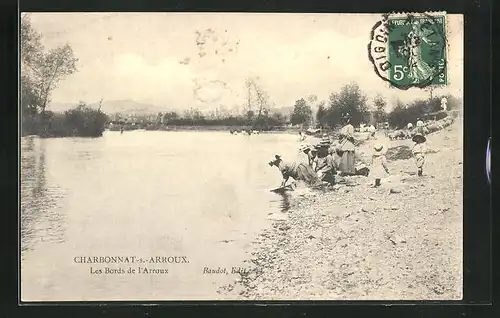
point(311, 153)
point(379, 168)
point(298, 171)
point(325, 164)
point(347, 148)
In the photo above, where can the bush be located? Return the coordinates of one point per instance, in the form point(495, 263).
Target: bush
point(402, 114)
point(84, 121)
point(424, 109)
point(81, 121)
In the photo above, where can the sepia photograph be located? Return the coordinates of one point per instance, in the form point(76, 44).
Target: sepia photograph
point(240, 156)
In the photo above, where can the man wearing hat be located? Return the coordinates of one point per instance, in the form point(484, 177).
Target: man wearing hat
point(379, 168)
point(418, 151)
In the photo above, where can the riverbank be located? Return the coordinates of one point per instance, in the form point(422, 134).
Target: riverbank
point(400, 241)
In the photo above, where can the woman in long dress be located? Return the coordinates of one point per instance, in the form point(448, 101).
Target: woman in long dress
point(347, 148)
point(419, 69)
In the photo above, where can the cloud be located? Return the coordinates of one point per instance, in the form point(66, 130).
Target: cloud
point(157, 60)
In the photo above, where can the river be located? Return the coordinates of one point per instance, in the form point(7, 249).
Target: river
point(200, 197)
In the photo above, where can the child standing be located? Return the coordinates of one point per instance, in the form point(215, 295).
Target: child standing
point(379, 165)
point(419, 152)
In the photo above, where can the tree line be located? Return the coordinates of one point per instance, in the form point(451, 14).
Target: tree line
point(351, 99)
point(328, 114)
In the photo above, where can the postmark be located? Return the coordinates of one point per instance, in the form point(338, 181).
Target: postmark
point(409, 50)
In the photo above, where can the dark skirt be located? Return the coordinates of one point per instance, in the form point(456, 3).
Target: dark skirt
point(328, 176)
point(306, 174)
point(347, 162)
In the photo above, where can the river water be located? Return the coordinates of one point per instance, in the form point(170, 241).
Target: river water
point(201, 197)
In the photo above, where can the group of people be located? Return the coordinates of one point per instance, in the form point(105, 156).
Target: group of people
point(326, 159)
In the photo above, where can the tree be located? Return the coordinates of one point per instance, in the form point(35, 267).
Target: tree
point(380, 108)
point(170, 116)
point(311, 99)
point(159, 118)
point(250, 115)
point(350, 100)
point(258, 97)
point(30, 45)
point(302, 113)
point(321, 114)
point(41, 71)
point(56, 64)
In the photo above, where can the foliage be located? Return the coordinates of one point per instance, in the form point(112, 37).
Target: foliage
point(81, 121)
point(403, 114)
point(302, 113)
point(30, 44)
point(321, 115)
point(41, 71)
point(380, 104)
point(194, 117)
point(350, 100)
point(258, 103)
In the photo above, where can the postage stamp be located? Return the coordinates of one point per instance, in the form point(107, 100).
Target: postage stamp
point(410, 50)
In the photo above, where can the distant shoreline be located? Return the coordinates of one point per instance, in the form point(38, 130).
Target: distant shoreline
point(292, 130)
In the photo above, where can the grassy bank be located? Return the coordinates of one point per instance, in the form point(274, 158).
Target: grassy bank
point(400, 241)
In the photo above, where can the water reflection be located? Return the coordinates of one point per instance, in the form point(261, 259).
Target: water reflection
point(41, 220)
point(285, 202)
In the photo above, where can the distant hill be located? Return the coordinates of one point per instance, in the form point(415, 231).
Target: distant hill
point(126, 107)
point(115, 106)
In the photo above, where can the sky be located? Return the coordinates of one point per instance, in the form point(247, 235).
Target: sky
point(201, 60)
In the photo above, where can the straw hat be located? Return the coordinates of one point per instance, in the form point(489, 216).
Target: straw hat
point(419, 138)
point(378, 147)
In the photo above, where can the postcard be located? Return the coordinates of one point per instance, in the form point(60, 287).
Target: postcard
point(241, 156)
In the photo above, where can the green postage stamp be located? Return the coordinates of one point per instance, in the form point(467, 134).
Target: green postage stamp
point(410, 50)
